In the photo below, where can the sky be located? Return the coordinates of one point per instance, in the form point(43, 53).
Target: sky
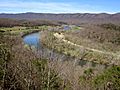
point(60, 6)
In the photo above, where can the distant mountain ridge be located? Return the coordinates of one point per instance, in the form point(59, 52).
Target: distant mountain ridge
point(70, 18)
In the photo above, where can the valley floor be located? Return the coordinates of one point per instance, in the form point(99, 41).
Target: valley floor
point(73, 67)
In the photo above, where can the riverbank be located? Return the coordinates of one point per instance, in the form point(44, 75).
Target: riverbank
point(59, 43)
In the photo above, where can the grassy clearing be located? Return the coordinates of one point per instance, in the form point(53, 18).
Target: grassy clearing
point(23, 30)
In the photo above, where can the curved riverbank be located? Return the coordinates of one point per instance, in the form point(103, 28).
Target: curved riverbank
point(55, 55)
point(30, 32)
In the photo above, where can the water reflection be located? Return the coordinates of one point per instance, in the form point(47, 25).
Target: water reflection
point(32, 39)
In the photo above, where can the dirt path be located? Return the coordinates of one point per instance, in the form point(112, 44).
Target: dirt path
point(62, 37)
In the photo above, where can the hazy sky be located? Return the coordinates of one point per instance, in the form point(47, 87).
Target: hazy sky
point(60, 6)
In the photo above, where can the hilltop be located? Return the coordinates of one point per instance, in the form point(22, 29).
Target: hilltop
point(71, 18)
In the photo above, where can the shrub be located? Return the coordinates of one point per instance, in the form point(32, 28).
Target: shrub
point(4, 57)
point(110, 79)
point(49, 79)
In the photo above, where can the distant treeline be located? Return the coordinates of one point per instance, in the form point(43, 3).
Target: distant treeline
point(5, 22)
point(111, 26)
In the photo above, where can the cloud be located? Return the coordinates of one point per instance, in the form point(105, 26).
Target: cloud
point(15, 6)
point(33, 5)
point(41, 7)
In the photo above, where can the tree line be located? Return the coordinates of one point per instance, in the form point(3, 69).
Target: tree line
point(5, 22)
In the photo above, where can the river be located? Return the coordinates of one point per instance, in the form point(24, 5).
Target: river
point(34, 40)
